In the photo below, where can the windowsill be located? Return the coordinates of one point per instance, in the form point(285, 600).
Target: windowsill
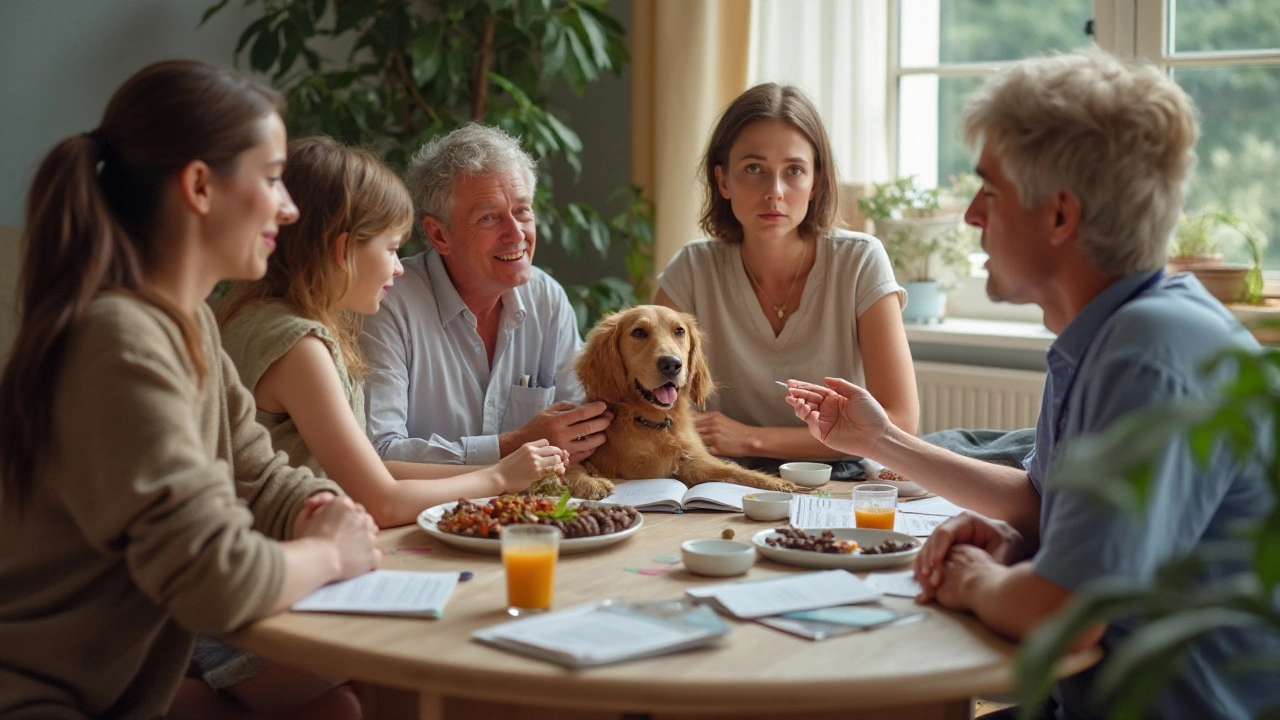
point(971, 332)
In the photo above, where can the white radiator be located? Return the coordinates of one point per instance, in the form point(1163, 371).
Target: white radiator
point(973, 397)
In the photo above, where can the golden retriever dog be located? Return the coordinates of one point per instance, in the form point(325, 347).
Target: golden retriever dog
point(647, 364)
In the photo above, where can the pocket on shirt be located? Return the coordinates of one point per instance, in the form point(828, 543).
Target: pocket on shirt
point(523, 403)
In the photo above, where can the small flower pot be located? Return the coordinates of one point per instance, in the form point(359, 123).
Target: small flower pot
point(926, 302)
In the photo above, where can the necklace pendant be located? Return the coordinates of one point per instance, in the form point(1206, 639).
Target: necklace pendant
point(781, 311)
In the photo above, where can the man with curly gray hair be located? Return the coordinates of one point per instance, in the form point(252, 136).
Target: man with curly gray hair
point(1084, 160)
point(471, 354)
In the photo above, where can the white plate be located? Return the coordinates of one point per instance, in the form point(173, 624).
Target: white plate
point(428, 518)
point(865, 537)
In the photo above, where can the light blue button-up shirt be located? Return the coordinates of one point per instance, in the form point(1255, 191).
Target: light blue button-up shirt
point(1125, 356)
point(431, 394)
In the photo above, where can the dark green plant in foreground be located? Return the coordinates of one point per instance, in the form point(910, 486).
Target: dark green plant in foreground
point(417, 69)
point(1117, 467)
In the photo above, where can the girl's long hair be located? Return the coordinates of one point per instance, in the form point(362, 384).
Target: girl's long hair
point(339, 190)
point(90, 229)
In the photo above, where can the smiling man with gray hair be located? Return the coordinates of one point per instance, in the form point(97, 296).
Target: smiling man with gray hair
point(471, 354)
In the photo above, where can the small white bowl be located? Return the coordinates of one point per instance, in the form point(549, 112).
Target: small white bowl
point(719, 558)
point(808, 474)
point(767, 505)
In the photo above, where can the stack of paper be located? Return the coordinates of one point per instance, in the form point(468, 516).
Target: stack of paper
point(384, 592)
point(602, 633)
point(807, 591)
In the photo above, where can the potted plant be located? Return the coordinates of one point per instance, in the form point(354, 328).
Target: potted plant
point(1197, 247)
point(922, 233)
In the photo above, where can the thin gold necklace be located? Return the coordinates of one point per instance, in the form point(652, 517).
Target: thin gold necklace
point(779, 309)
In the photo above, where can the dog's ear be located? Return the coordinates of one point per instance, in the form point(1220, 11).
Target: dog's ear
point(700, 384)
point(601, 370)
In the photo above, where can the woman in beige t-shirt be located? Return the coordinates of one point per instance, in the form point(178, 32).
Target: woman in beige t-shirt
point(777, 290)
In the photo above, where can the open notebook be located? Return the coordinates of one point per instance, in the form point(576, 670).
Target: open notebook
point(405, 593)
point(670, 495)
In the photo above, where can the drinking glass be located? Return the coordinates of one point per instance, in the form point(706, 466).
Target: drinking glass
point(874, 506)
point(529, 555)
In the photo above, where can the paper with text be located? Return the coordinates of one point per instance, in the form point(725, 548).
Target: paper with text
point(931, 506)
point(898, 584)
point(808, 511)
point(916, 524)
point(384, 592)
point(775, 596)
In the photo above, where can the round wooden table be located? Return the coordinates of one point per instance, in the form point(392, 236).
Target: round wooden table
point(927, 669)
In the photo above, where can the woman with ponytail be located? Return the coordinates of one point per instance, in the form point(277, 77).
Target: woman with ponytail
point(139, 501)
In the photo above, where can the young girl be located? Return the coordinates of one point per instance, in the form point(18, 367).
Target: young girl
point(776, 283)
point(132, 471)
point(293, 337)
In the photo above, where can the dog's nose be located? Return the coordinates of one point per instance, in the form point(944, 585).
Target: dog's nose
point(669, 365)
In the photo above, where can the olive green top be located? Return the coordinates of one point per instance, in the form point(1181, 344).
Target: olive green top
point(260, 334)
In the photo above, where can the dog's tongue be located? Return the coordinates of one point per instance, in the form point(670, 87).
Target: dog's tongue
point(666, 394)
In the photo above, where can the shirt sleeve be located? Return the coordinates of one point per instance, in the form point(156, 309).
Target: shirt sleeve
point(1083, 539)
point(139, 482)
point(875, 278)
point(677, 281)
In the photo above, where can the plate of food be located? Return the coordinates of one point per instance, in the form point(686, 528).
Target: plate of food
point(876, 472)
point(476, 524)
point(846, 548)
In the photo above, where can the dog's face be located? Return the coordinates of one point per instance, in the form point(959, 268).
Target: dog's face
point(648, 354)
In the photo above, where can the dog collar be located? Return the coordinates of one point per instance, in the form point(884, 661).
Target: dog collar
point(654, 425)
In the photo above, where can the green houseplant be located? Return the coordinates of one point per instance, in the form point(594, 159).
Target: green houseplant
point(1116, 467)
point(416, 69)
point(1197, 247)
point(922, 234)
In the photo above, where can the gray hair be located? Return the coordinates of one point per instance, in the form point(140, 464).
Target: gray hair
point(1119, 136)
point(471, 150)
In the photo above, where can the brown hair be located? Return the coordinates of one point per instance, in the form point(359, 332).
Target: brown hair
point(340, 190)
point(91, 216)
point(770, 101)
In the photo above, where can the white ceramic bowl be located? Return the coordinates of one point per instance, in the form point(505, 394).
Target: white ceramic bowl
point(767, 505)
point(808, 474)
point(719, 558)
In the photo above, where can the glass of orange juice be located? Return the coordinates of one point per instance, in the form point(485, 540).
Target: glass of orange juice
point(529, 555)
point(874, 506)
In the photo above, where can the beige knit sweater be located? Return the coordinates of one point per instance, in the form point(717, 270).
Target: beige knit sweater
point(145, 525)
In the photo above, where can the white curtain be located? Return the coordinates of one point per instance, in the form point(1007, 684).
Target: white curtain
point(837, 52)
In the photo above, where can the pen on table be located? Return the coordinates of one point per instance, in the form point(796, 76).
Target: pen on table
point(783, 384)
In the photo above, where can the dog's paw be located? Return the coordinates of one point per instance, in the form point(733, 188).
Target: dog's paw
point(782, 486)
point(593, 488)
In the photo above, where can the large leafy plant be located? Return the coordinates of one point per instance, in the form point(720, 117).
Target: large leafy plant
point(416, 69)
point(1117, 467)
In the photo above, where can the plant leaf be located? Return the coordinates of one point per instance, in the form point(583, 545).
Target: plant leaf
point(581, 59)
point(1129, 681)
point(425, 53)
point(265, 50)
point(594, 35)
point(211, 12)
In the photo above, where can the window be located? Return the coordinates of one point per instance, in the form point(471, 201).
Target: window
point(1226, 55)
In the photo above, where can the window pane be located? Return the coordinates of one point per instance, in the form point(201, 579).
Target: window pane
point(928, 126)
point(934, 32)
point(1239, 146)
point(1214, 25)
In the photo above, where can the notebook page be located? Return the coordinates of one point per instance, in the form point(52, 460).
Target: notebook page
point(717, 495)
point(931, 506)
point(389, 592)
point(654, 493)
point(808, 511)
point(788, 594)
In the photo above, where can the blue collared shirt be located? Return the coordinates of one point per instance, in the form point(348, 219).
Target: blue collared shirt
point(1125, 356)
point(431, 394)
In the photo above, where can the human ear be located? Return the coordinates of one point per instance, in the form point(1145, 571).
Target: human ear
point(436, 234)
point(1066, 216)
point(194, 186)
point(340, 249)
point(721, 184)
